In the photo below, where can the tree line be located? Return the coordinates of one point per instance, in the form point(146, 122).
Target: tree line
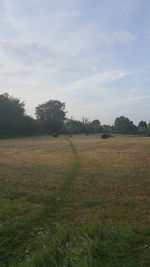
point(51, 118)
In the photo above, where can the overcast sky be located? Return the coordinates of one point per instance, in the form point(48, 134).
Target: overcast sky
point(94, 55)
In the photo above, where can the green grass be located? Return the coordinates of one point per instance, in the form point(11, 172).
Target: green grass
point(73, 173)
point(89, 246)
point(16, 232)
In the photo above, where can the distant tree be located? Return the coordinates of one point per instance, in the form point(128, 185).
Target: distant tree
point(85, 125)
point(124, 125)
point(51, 115)
point(142, 124)
point(95, 126)
point(142, 127)
point(29, 126)
point(11, 113)
point(148, 129)
point(107, 128)
point(72, 126)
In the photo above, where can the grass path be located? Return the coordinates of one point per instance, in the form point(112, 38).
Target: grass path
point(55, 208)
point(93, 245)
point(51, 239)
point(16, 237)
point(73, 173)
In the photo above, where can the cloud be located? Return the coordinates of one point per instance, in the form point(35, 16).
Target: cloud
point(95, 80)
point(28, 52)
point(1, 66)
point(124, 36)
point(134, 98)
point(32, 18)
point(79, 51)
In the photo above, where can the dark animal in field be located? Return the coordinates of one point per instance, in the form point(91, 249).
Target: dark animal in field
point(54, 134)
point(105, 136)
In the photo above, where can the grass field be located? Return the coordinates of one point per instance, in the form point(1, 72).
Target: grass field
point(80, 201)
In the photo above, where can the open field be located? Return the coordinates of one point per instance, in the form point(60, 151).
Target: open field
point(46, 182)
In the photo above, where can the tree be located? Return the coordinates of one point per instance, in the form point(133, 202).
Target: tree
point(51, 115)
point(95, 126)
point(148, 129)
point(124, 125)
point(142, 124)
point(29, 126)
point(107, 129)
point(73, 127)
point(85, 125)
point(11, 113)
point(142, 127)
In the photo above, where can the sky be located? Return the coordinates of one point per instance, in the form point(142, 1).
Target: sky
point(94, 55)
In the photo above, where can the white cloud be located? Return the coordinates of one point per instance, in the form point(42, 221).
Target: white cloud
point(75, 51)
point(95, 80)
point(124, 36)
point(134, 98)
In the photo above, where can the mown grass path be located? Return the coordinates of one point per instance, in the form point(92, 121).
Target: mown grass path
point(73, 173)
point(43, 230)
point(93, 245)
point(55, 208)
point(17, 237)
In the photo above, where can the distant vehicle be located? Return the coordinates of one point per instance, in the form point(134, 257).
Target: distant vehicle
point(105, 135)
point(54, 134)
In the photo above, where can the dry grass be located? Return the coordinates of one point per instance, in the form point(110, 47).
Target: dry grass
point(46, 181)
point(114, 185)
point(34, 166)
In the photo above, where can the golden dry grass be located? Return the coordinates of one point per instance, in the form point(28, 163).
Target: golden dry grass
point(46, 181)
point(112, 186)
point(34, 166)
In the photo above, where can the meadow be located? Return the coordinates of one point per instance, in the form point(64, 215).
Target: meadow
point(75, 201)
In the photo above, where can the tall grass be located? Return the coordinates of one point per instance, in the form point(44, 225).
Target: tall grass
point(94, 245)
